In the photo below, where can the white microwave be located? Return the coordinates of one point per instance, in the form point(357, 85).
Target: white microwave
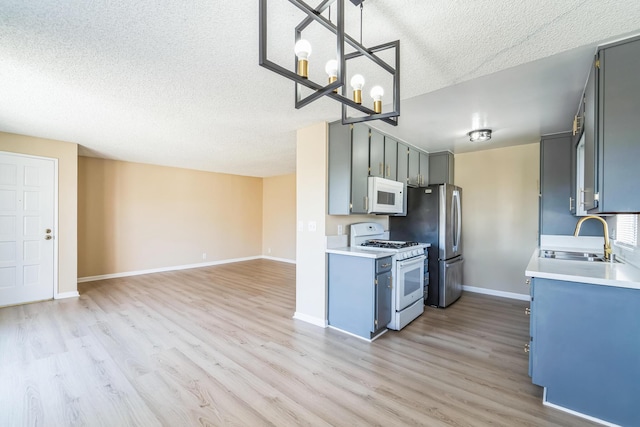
point(385, 196)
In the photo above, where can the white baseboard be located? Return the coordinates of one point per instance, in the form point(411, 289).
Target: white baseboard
point(503, 294)
point(311, 319)
point(271, 258)
point(572, 412)
point(164, 269)
point(63, 295)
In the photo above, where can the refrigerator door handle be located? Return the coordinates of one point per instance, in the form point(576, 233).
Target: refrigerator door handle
point(456, 211)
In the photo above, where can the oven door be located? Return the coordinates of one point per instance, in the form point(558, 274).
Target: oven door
point(410, 281)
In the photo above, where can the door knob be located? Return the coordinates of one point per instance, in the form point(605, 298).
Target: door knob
point(48, 237)
point(48, 231)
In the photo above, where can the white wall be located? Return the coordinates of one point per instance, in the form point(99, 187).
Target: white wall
point(500, 195)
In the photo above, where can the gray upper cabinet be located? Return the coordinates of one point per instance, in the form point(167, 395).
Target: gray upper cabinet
point(390, 158)
point(555, 188)
point(339, 169)
point(612, 129)
point(376, 154)
point(348, 168)
point(403, 163)
point(589, 175)
point(423, 176)
point(413, 179)
point(441, 168)
point(357, 152)
point(383, 155)
point(359, 168)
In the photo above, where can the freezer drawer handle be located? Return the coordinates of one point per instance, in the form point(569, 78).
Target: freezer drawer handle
point(449, 264)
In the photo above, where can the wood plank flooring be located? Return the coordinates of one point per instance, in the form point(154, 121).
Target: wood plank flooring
point(217, 346)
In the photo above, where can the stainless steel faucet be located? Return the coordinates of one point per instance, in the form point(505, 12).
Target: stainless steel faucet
point(607, 243)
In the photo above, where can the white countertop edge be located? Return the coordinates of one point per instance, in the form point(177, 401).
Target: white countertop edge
point(606, 274)
point(350, 251)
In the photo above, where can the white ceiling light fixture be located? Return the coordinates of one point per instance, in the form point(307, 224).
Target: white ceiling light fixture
point(336, 67)
point(480, 135)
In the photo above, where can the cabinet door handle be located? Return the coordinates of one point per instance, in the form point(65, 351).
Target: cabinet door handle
point(528, 281)
point(527, 311)
point(366, 203)
point(527, 347)
point(386, 265)
point(570, 203)
point(388, 170)
point(381, 169)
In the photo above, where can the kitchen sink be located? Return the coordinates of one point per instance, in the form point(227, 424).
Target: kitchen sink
point(574, 256)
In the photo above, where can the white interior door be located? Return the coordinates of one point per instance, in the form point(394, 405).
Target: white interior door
point(27, 191)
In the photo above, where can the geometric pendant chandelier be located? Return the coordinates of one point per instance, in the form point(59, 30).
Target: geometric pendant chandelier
point(337, 66)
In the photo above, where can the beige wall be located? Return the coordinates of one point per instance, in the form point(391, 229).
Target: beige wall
point(500, 190)
point(279, 217)
point(136, 217)
point(311, 202)
point(67, 154)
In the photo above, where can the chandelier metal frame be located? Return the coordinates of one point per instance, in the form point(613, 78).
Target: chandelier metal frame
point(314, 15)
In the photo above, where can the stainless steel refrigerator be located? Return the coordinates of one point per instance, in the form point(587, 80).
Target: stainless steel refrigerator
point(434, 215)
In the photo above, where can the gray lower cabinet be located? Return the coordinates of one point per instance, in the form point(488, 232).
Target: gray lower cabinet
point(555, 188)
point(441, 168)
point(612, 144)
point(585, 348)
point(359, 294)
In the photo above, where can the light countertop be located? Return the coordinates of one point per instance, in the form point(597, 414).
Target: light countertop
point(621, 275)
point(348, 250)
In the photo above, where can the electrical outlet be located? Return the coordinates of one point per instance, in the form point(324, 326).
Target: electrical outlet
point(204, 255)
point(339, 229)
point(312, 226)
point(268, 250)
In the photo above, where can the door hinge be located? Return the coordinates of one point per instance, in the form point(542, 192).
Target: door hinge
point(598, 63)
point(375, 322)
point(376, 282)
point(596, 197)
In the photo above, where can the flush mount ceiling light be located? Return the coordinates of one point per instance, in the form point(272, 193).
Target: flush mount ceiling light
point(480, 135)
point(336, 66)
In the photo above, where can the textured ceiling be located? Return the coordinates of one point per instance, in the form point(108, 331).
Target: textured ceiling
point(178, 83)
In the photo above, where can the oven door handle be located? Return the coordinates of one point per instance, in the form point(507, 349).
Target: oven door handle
point(417, 260)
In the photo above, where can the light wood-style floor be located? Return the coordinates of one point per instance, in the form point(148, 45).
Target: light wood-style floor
point(217, 346)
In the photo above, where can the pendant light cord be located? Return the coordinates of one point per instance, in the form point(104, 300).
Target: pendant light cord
point(361, 7)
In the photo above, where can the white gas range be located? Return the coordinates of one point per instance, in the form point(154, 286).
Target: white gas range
point(409, 262)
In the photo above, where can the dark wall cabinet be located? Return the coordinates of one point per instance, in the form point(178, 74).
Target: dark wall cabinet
point(556, 153)
point(612, 129)
point(585, 347)
point(441, 168)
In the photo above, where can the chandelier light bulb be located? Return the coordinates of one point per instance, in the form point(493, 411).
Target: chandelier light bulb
point(377, 92)
point(302, 50)
point(331, 68)
point(357, 81)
